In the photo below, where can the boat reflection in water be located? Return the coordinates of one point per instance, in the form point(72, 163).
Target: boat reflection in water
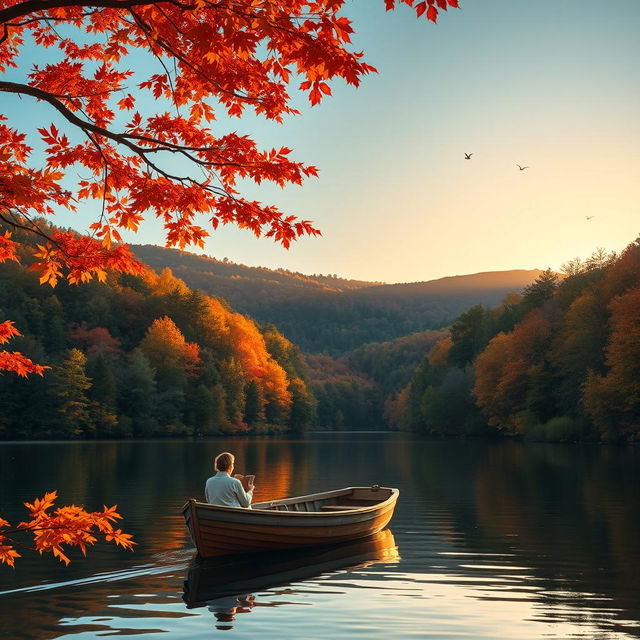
point(226, 585)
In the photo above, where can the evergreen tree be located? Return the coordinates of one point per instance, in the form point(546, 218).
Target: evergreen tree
point(200, 413)
point(233, 382)
point(470, 334)
point(536, 294)
point(54, 333)
point(70, 386)
point(137, 394)
point(103, 392)
point(302, 405)
point(220, 420)
point(254, 404)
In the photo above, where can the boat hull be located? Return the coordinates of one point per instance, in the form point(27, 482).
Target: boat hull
point(218, 531)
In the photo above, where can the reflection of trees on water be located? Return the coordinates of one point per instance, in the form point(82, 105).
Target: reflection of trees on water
point(569, 514)
point(150, 480)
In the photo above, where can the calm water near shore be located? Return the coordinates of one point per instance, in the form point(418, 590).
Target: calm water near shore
point(490, 540)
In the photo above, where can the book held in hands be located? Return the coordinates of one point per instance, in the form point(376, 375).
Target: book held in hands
point(247, 481)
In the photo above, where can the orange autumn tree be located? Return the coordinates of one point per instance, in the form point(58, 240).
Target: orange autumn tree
point(14, 361)
point(613, 400)
point(508, 368)
point(166, 347)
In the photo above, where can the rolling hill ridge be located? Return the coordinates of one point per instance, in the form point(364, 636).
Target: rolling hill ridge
point(332, 315)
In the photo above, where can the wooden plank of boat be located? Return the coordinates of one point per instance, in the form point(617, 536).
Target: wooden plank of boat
point(317, 519)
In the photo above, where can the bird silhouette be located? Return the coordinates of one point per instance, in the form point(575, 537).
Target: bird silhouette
point(589, 217)
point(521, 168)
point(467, 156)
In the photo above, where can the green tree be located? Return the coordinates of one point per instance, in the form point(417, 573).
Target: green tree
point(536, 294)
point(302, 405)
point(470, 334)
point(54, 333)
point(136, 398)
point(220, 419)
point(103, 393)
point(285, 353)
point(233, 382)
point(450, 409)
point(70, 386)
point(253, 403)
point(200, 410)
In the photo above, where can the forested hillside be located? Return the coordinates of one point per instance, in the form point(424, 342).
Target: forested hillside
point(351, 391)
point(561, 362)
point(326, 314)
point(143, 355)
point(147, 355)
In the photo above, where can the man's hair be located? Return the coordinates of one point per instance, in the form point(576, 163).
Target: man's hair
point(224, 461)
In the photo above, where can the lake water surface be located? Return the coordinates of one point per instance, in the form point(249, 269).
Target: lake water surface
point(490, 540)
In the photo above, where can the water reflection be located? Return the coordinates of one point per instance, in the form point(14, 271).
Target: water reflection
point(226, 585)
point(496, 540)
point(561, 520)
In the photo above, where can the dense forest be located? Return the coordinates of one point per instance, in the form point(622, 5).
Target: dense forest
point(351, 391)
point(143, 355)
point(561, 362)
point(331, 315)
point(146, 355)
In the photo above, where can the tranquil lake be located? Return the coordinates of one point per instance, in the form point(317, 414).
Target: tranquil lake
point(490, 540)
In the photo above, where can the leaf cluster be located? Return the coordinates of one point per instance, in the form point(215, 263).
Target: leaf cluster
point(68, 526)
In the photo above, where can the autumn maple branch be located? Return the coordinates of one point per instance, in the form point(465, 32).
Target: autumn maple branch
point(164, 45)
point(36, 6)
point(124, 138)
point(121, 138)
point(17, 225)
point(68, 525)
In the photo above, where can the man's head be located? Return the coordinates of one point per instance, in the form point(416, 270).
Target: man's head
point(224, 462)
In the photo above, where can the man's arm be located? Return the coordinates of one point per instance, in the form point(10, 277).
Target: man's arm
point(244, 497)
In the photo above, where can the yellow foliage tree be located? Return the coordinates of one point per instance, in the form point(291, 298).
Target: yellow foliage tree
point(166, 347)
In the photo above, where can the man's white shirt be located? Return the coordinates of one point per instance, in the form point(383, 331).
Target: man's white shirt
point(226, 491)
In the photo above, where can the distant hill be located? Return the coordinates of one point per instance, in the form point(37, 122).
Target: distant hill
point(457, 285)
point(227, 274)
point(327, 314)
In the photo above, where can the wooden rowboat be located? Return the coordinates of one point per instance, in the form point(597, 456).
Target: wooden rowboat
point(318, 519)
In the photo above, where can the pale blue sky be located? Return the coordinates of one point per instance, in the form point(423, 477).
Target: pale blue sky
point(547, 83)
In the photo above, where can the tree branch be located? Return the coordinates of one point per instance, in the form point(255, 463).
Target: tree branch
point(36, 6)
point(120, 138)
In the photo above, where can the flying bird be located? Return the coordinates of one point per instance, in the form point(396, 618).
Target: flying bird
point(521, 168)
point(467, 156)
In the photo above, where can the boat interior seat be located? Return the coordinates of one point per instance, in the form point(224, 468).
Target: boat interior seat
point(337, 507)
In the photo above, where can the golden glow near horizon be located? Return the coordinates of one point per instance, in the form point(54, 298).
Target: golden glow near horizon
point(509, 82)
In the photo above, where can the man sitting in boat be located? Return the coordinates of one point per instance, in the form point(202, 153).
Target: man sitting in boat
point(224, 490)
